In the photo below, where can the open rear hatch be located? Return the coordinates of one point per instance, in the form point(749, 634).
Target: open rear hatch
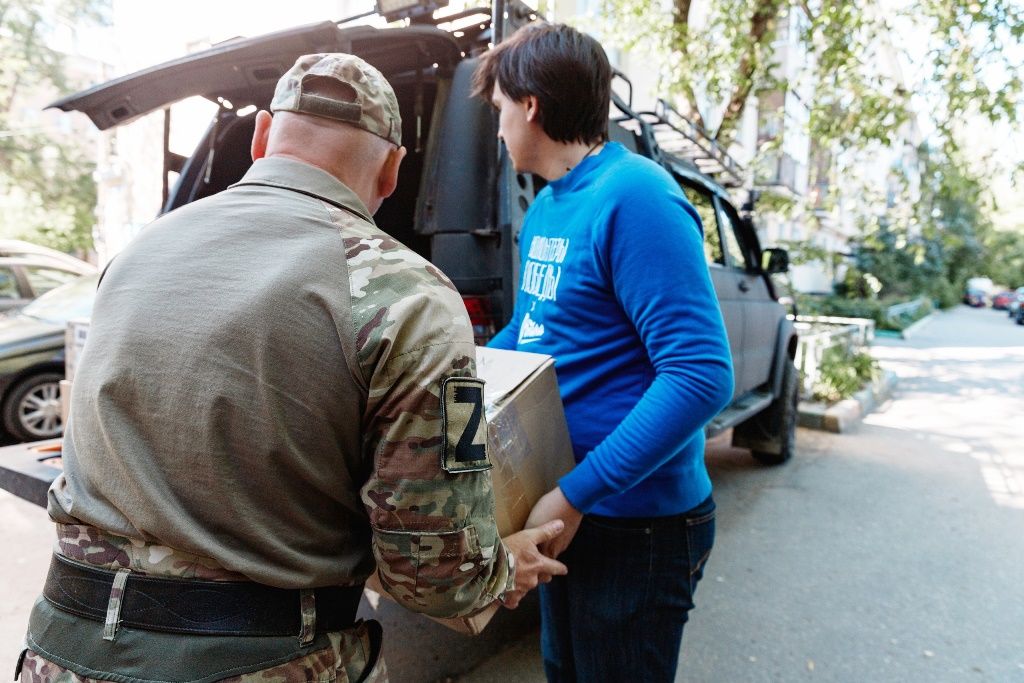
point(245, 71)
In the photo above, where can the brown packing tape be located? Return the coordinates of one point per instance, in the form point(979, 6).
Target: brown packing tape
point(547, 428)
point(505, 435)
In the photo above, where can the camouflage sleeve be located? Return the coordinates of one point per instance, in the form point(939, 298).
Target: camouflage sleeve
point(429, 497)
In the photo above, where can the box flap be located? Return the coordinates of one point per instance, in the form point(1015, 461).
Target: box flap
point(505, 371)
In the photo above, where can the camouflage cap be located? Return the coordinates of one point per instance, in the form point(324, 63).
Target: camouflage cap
point(364, 98)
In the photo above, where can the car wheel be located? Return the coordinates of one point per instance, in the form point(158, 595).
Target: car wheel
point(771, 434)
point(32, 409)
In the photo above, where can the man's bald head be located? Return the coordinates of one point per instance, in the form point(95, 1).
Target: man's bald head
point(366, 163)
point(327, 143)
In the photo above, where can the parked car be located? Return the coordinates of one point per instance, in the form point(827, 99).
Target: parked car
point(32, 359)
point(1015, 303)
point(975, 298)
point(981, 284)
point(459, 202)
point(28, 270)
point(21, 248)
point(1001, 300)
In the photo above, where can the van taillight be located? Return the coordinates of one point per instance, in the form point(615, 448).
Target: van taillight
point(482, 317)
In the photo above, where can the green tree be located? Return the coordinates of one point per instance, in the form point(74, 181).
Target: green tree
point(973, 45)
point(953, 215)
point(47, 180)
point(717, 52)
point(976, 51)
point(1005, 258)
point(949, 239)
point(731, 56)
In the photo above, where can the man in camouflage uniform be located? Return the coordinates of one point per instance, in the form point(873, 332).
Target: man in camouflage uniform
point(276, 398)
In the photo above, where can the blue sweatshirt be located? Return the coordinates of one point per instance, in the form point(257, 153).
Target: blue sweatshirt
point(614, 285)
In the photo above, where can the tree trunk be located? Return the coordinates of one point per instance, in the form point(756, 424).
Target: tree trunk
point(681, 18)
point(762, 26)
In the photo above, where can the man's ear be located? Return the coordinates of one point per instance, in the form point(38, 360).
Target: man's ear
point(387, 181)
point(532, 108)
point(261, 135)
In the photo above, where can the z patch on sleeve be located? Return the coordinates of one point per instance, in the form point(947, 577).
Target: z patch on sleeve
point(465, 428)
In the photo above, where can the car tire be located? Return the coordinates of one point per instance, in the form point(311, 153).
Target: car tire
point(31, 411)
point(771, 434)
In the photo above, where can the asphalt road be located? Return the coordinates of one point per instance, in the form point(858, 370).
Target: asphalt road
point(894, 552)
point(26, 539)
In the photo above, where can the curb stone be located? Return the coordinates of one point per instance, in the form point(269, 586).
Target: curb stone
point(916, 327)
point(842, 416)
point(910, 331)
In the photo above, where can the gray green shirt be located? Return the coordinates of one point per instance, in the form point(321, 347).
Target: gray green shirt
point(262, 386)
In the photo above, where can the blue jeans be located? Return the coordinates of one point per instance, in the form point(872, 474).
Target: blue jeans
point(619, 613)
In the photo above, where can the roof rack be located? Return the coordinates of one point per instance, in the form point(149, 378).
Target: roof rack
point(683, 139)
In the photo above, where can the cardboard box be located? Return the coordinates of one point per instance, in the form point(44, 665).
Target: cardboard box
point(527, 441)
point(74, 343)
point(527, 436)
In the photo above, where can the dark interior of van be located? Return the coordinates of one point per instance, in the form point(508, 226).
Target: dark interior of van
point(214, 167)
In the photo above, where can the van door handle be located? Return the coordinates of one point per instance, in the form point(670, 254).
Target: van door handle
point(744, 287)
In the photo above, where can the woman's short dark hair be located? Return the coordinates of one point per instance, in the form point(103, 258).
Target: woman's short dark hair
point(566, 70)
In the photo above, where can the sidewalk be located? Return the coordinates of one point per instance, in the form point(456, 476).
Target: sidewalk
point(519, 662)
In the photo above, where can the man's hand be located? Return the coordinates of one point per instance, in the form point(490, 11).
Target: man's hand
point(554, 505)
point(532, 567)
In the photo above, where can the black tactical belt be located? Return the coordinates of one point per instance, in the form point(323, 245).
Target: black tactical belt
point(239, 608)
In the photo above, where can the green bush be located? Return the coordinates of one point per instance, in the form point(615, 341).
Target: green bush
point(945, 294)
point(905, 320)
point(842, 373)
point(872, 309)
point(858, 285)
point(841, 307)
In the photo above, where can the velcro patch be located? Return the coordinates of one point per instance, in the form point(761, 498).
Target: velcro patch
point(464, 447)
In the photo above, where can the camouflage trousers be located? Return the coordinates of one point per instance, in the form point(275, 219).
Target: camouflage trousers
point(346, 658)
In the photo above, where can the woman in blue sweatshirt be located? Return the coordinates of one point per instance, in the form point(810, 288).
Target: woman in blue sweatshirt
point(614, 285)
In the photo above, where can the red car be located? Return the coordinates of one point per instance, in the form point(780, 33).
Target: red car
point(1001, 301)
